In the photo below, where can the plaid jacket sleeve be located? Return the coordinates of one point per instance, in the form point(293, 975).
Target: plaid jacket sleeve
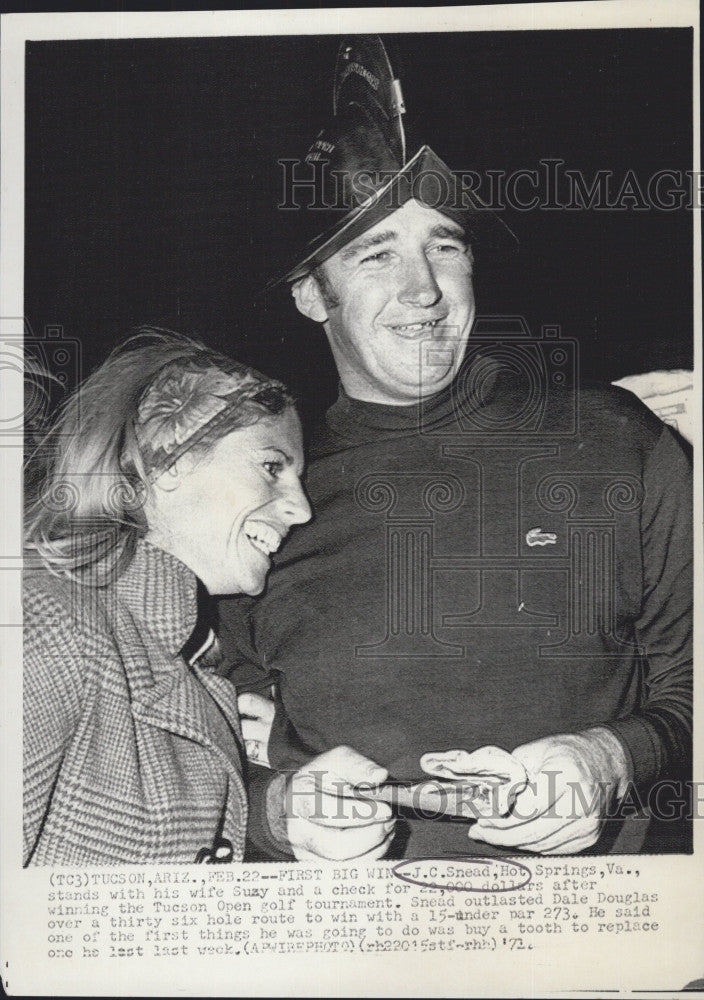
point(53, 689)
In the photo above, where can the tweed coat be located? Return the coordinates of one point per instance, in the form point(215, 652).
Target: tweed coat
point(130, 753)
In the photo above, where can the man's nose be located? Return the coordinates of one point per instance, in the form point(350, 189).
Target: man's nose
point(418, 284)
point(295, 504)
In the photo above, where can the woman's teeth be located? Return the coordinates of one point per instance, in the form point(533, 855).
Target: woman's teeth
point(262, 536)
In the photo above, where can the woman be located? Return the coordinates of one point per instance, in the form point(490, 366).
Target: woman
point(171, 475)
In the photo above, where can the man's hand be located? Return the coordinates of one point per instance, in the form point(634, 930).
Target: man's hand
point(321, 817)
point(572, 778)
point(257, 715)
point(493, 777)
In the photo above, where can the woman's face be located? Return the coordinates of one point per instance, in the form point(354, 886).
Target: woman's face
point(224, 513)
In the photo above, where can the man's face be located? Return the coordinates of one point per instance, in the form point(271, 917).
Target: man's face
point(398, 306)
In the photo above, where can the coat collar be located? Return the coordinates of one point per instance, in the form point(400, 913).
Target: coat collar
point(161, 593)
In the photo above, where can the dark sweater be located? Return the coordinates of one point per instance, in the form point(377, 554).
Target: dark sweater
point(414, 614)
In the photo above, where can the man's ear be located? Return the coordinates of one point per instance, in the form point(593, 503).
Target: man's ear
point(309, 299)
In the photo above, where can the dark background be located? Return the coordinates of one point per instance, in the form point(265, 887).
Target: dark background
point(152, 184)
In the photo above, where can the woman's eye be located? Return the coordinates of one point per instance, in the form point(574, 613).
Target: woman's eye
point(274, 467)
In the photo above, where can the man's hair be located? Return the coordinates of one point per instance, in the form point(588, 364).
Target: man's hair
point(326, 290)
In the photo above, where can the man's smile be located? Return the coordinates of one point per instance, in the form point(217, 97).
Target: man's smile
point(412, 330)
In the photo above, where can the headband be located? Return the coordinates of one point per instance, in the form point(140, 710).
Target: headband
point(189, 399)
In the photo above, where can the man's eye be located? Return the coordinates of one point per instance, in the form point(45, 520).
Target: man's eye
point(274, 467)
point(376, 258)
point(448, 249)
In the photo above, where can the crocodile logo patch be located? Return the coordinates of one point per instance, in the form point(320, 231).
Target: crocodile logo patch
point(536, 536)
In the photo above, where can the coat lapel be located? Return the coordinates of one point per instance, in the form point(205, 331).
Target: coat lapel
point(177, 704)
point(225, 694)
point(162, 598)
point(173, 704)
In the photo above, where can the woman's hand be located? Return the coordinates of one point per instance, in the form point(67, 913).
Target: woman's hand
point(257, 715)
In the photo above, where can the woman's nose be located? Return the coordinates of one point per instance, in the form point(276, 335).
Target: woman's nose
point(418, 286)
point(296, 506)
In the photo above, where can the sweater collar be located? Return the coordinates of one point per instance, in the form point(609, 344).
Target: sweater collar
point(162, 593)
point(357, 419)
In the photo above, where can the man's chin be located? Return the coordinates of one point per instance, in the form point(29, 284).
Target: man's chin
point(431, 387)
point(254, 589)
point(412, 395)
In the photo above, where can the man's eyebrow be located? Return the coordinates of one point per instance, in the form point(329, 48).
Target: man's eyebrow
point(449, 232)
point(441, 231)
point(370, 241)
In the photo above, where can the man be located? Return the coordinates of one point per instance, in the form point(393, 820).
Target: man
point(497, 558)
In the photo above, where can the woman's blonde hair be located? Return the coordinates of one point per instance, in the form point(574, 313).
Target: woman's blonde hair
point(86, 481)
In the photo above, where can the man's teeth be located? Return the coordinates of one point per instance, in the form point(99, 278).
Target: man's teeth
point(416, 327)
point(262, 536)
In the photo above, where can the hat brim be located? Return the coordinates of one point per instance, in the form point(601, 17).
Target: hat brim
point(430, 181)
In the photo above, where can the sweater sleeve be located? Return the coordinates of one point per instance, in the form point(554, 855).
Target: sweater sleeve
point(659, 737)
point(266, 827)
point(52, 694)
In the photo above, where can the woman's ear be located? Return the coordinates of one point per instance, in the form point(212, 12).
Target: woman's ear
point(170, 478)
point(309, 299)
